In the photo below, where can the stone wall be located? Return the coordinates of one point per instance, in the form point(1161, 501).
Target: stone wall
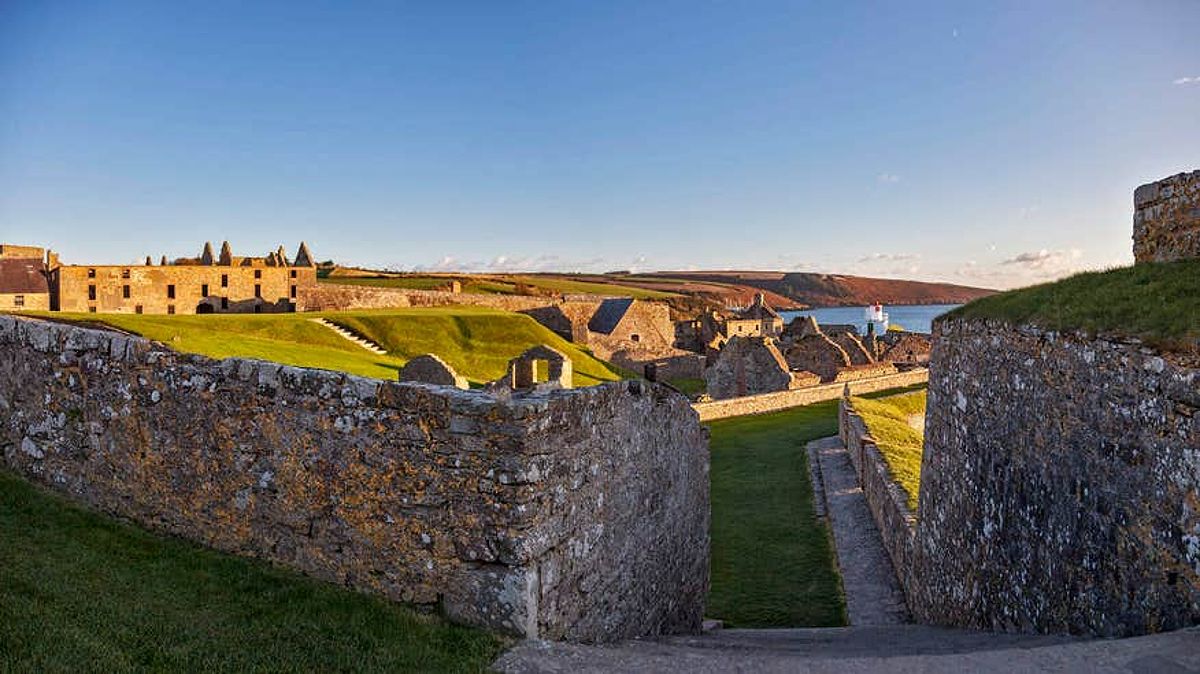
point(782, 400)
point(868, 371)
point(1166, 219)
point(578, 514)
point(1060, 487)
point(885, 498)
point(748, 366)
point(345, 297)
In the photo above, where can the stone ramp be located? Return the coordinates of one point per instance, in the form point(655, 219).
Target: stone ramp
point(894, 648)
point(873, 595)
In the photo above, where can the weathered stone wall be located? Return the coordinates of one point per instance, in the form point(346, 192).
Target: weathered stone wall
point(782, 400)
point(344, 297)
point(818, 354)
point(1166, 219)
point(748, 366)
point(1060, 488)
point(578, 514)
point(868, 371)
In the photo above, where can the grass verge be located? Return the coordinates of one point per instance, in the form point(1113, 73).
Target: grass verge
point(902, 445)
point(1155, 302)
point(82, 592)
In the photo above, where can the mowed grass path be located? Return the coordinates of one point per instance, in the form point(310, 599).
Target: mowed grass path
point(772, 560)
point(83, 592)
point(477, 342)
point(773, 563)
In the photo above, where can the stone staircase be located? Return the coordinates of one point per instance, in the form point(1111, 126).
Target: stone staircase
point(846, 650)
point(352, 336)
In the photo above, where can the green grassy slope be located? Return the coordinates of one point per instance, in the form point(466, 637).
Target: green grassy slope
point(82, 592)
point(901, 445)
point(1155, 302)
point(477, 342)
point(772, 560)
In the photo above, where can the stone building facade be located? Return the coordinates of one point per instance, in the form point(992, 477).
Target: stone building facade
point(1166, 219)
point(206, 284)
point(24, 282)
point(572, 514)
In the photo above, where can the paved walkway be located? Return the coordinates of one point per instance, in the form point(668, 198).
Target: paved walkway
point(851, 650)
point(873, 596)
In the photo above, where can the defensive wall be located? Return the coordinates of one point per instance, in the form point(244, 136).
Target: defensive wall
point(782, 400)
point(1060, 485)
point(577, 514)
point(345, 297)
point(1166, 219)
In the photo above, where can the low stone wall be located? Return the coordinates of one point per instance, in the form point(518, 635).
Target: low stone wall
point(1060, 486)
point(867, 371)
point(885, 498)
point(345, 297)
point(579, 514)
point(782, 400)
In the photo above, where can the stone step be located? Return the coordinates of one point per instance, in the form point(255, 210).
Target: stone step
point(351, 336)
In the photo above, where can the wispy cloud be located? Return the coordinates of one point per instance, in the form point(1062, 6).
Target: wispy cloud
point(889, 257)
point(887, 178)
point(1045, 264)
point(1187, 80)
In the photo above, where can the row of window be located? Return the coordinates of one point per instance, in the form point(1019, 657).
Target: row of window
point(224, 277)
point(125, 291)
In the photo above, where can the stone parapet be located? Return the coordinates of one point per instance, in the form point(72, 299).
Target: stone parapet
point(1166, 219)
point(576, 514)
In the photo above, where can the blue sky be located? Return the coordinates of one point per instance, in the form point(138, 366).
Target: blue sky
point(997, 145)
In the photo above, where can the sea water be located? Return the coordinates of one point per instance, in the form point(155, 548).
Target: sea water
point(914, 318)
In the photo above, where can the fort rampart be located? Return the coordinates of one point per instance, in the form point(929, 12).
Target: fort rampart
point(1060, 485)
point(345, 297)
point(577, 514)
point(1166, 219)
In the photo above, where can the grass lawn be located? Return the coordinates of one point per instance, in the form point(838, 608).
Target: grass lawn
point(772, 560)
point(477, 342)
point(900, 444)
point(1153, 301)
point(83, 592)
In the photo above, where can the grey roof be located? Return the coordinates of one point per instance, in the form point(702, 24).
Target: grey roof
point(22, 275)
point(609, 314)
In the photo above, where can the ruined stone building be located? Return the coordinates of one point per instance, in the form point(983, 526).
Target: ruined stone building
point(709, 333)
point(24, 283)
point(202, 285)
point(753, 365)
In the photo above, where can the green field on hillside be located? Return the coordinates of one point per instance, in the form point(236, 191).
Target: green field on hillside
point(1154, 301)
point(477, 342)
point(507, 285)
point(80, 592)
point(902, 445)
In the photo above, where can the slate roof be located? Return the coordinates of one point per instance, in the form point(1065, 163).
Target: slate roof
point(758, 312)
point(22, 275)
point(609, 314)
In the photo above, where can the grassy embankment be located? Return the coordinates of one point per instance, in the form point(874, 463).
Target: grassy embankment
point(507, 285)
point(477, 342)
point(1155, 302)
point(83, 592)
point(890, 421)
